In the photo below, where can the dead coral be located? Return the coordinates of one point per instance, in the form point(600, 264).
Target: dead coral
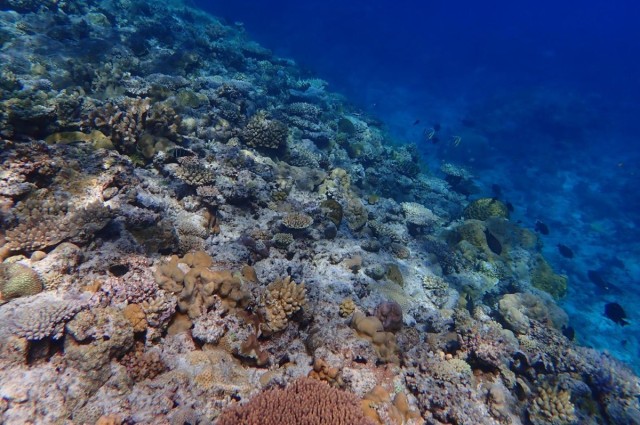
point(305, 400)
point(281, 299)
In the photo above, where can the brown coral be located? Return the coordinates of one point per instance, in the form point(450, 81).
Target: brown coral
point(196, 289)
point(347, 307)
point(18, 280)
point(297, 221)
point(262, 132)
point(371, 329)
point(281, 299)
point(305, 401)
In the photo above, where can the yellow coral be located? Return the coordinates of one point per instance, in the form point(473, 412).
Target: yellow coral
point(281, 300)
point(484, 208)
point(347, 307)
point(18, 280)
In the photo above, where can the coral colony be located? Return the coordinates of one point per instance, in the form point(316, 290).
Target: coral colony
point(196, 231)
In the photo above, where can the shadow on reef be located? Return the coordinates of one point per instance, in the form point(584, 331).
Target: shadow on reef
point(194, 229)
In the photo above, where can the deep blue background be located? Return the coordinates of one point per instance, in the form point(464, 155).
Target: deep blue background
point(449, 48)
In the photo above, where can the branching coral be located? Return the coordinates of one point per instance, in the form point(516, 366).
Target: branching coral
point(281, 299)
point(306, 400)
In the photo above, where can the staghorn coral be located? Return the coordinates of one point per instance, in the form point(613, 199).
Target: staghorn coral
point(281, 299)
point(297, 221)
point(306, 400)
point(262, 132)
point(18, 280)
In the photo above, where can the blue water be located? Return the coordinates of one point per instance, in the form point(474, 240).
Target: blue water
point(543, 95)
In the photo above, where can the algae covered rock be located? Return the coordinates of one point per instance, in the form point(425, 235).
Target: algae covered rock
point(544, 278)
point(484, 208)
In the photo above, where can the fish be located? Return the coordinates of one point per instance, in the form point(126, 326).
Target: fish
point(435, 139)
point(416, 122)
point(510, 207)
point(569, 332)
point(615, 312)
point(565, 251)
point(596, 278)
point(436, 127)
point(541, 228)
point(493, 243)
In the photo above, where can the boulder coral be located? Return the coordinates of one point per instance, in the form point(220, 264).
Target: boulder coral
point(18, 280)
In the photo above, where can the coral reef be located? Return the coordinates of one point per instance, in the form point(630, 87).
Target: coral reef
point(161, 196)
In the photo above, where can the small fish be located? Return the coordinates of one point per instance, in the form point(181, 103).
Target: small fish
point(436, 127)
point(615, 312)
point(541, 228)
point(416, 122)
point(471, 306)
point(493, 243)
point(596, 278)
point(565, 251)
point(510, 207)
point(435, 139)
point(569, 332)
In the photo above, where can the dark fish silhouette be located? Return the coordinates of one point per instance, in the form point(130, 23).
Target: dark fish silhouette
point(569, 332)
point(565, 251)
point(436, 127)
point(435, 139)
point(615, 312)
point(416, 122)
point(541, 228)
point(471, 306)
point(596, 278)
point(493, 243)
point(510, 206)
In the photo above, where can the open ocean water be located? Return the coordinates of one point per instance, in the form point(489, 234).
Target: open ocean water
point(545, 97)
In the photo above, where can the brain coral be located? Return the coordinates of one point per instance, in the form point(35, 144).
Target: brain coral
point(18, 280)
point(262, 132)
point(305, 401)
point(484, 208)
